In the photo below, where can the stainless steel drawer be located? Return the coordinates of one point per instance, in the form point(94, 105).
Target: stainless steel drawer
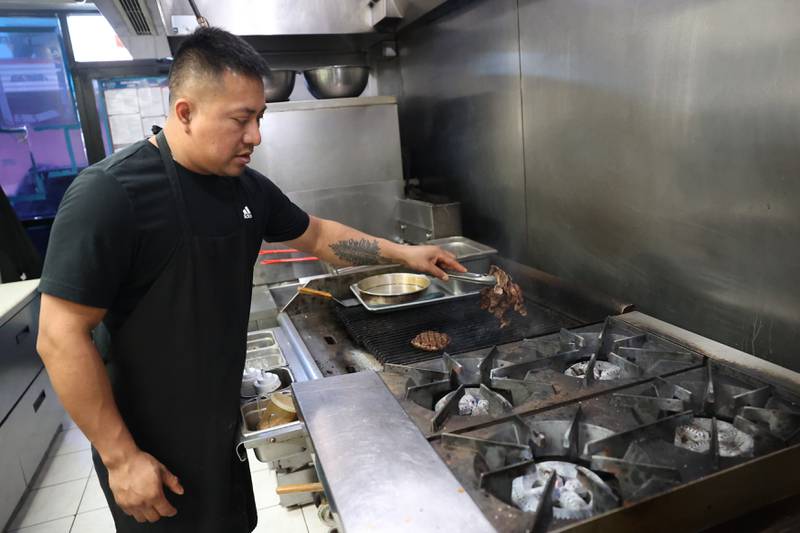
point(19, 362)
point(34, 422)
point(12, 482)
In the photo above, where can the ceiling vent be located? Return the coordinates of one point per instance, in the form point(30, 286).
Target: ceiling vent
point(137, 16)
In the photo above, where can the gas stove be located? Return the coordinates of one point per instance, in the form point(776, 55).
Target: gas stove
point(552, 431)
point(463, 390)
point(564, 420)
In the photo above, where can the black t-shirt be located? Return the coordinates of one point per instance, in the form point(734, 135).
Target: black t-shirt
point(117, 227)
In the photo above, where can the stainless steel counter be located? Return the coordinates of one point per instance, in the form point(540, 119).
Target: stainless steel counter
point(378, 471)
point(14, 296)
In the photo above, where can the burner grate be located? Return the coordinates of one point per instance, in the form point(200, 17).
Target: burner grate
point(388, 336)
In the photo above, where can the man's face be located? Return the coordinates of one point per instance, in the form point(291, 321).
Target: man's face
point(224, 125)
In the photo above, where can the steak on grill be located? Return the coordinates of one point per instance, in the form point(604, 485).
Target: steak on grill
point(431, 341)
point(505, 295)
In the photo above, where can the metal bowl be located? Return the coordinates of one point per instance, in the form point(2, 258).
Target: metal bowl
point(338, 81)
point(278, 85)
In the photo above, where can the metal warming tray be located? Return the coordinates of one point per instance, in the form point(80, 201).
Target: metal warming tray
point(267, 351)
point(438, 292)
point(263, 351)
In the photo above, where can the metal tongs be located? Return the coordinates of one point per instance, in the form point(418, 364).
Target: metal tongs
point(472, 277)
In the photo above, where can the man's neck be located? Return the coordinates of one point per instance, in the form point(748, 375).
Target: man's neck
point(177, 140)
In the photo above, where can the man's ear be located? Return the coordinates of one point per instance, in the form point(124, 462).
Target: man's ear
point(183, 110)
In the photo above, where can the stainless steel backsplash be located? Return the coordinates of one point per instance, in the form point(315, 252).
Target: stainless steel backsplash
point(650, 149)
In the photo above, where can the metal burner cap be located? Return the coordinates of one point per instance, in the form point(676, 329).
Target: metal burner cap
point(573, 493)
point(471, 404)
point(603, 370)
point(696, 437)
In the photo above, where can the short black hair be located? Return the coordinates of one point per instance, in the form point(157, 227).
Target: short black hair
point(208, 53)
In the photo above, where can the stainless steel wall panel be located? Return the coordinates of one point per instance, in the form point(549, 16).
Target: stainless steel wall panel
point(660, 150)
point(370, 207)
point(661, 143)
point(337, 159)
point(330, 145)
point(461, 119)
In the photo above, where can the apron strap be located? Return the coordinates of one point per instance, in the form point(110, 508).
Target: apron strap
point(172, 176)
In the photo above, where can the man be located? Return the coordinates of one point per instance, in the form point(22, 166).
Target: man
point(158, 242)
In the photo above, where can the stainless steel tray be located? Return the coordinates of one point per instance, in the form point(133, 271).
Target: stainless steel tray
point(272, 443)
point(263, 351)
point(439, 291)
point(463, 248)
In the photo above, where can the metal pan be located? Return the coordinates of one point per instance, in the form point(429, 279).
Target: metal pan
point(392, 288)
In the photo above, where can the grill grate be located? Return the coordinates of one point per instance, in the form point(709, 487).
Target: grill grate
point(388, 336)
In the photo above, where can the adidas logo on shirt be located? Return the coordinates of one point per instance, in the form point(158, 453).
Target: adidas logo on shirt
point(246, 212)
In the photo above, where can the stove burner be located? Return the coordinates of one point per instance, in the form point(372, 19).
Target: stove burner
point(603, 370)
point(466, 388)
point(613, 353)
point(472, 403)
point(572, 493)
point(696, 437)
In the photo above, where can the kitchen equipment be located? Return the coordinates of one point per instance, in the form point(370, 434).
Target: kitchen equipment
point(288, 260)
point(338, 81)
point(392, 288)
point(645, 408)
point(349, 302)
point(419, 221)
point(439, 291)
point(388, 336)
point(250, 377)
point(262, 351)
point(278, 410)
point(269, 382)
point(278, 85)
point(284, 401)
point(277, 263)
point(472, 277)
point(475, 256)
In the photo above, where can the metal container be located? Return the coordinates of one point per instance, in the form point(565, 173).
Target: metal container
point(263, 351)
point(395, 288)
point(475, 256)
point(338, 81)
point(420, 221)
point(278, 85)
point(439, 291)
point(272, 443)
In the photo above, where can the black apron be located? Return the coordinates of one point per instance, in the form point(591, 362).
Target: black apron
point(176, 370)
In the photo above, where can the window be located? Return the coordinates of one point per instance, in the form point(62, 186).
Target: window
point(93, 39)
point(129, 107)
point(41, 144)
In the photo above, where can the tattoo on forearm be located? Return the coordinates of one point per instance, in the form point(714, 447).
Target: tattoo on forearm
point(359, 252)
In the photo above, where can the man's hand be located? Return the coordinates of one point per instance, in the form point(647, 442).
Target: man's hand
point(138, 487)
point(430, 259)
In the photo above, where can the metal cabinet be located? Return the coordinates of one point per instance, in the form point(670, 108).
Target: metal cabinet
point(12, 482)
point(19, 362)
point(30, 412)
point(35, 421)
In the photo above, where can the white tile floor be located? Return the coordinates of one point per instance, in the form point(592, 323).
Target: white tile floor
point(65, 496)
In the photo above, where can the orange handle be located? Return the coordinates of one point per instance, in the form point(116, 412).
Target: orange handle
point(314, 292)
point(282, 251)
point(300, 487)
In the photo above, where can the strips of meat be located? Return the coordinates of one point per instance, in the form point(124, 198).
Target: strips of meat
point(431, 341)
point(504, 296)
